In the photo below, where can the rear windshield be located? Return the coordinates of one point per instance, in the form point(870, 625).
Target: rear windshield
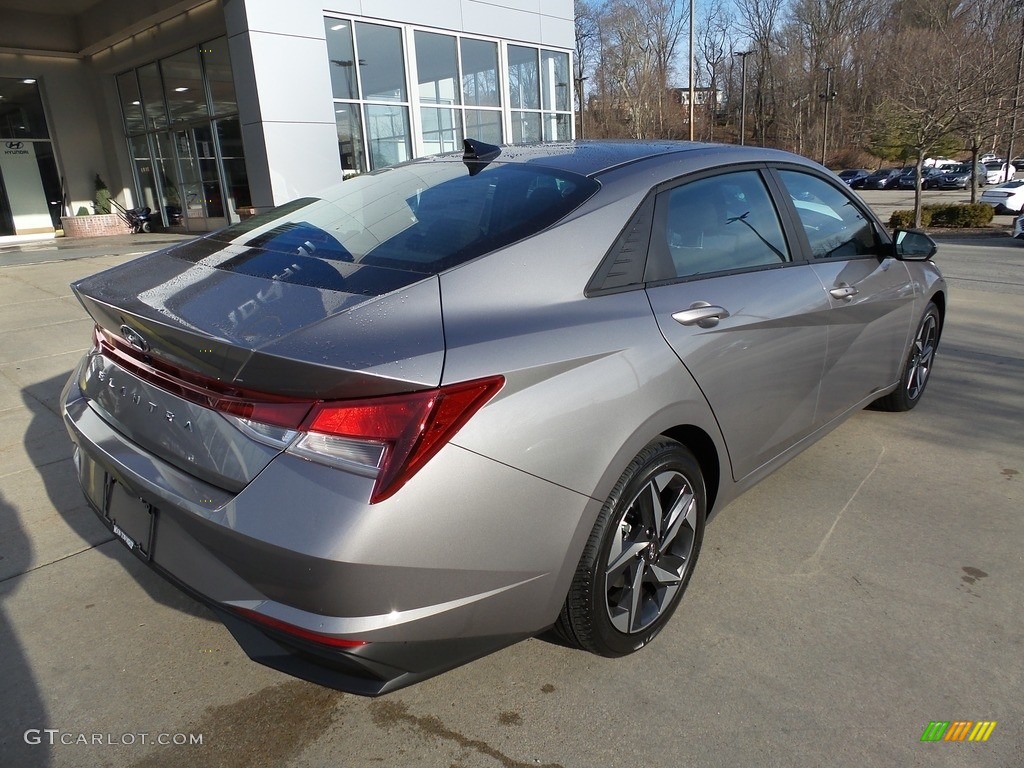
point(377, 232)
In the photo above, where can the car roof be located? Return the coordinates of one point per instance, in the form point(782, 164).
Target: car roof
point(590, 157)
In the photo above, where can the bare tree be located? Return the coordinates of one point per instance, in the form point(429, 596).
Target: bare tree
point(932, 80)
point(758, 20)
point(713, 45)
point(989, 53)
point(588, 45)
point(639, 43)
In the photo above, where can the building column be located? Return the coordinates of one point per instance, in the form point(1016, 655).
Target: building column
point(283, 86)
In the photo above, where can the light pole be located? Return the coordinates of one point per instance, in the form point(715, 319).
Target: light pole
point(828, 97)
point(579, 95)
point(743, 94)
point(692, 58)
point(1016, 103)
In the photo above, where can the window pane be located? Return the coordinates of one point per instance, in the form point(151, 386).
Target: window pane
point(835, 226)
point(555, 82)
point(217, 66)
point(236, 180)
point(190, 181)
point(131, 103)
point(387, 131)
point(480, 73)
point(144, 173)
point(153, 96)
point(350, 139)
point(438, 68)
point(21, 110)
point(523, 85)
point(525, 127)
point(484, 125)
point(556, 127)
point(209, 172)
point(168, 177)
point(342, 58)
point(718, 224)
point(183, 87)
point(442, 130)
point(381, 63)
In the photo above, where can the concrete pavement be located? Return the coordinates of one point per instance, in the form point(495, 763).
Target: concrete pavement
point(869, 587)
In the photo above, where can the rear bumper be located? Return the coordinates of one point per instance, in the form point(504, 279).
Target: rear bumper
point(300, 545)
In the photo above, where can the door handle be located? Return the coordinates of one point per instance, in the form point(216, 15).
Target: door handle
point(844, 292)
point(701, 313)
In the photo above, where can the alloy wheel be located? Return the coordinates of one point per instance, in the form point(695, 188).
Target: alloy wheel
point(922, 356)
point(650, 552)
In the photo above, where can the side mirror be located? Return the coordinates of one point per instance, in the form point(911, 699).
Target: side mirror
point(913, 245)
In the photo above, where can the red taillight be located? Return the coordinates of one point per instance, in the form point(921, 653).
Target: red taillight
point(389, 438)
point(409, 428)
point(291, 629)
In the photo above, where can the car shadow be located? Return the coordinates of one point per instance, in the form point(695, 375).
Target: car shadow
point(21, 700)
point(42, 401)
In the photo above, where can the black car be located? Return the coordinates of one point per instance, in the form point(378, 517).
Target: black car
point(854, 177)
point(884, 178)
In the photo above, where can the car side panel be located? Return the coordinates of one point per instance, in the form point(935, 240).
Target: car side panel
point(867, 333)
point(759, 367)
point(588, 380)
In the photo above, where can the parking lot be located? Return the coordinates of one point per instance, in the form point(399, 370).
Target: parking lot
point(870, 587)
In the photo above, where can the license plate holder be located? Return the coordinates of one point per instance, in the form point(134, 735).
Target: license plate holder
point(131, 519)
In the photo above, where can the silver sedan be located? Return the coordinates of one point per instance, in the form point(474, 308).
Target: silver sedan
point(476, 397)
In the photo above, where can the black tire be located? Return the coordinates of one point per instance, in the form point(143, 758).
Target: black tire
point(640, 555)
point(917, 367)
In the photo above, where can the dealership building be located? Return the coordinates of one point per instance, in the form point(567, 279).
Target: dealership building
point(204, 110)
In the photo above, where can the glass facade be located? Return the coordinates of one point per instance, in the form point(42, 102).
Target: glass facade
point(401, 92)
point(181, 122)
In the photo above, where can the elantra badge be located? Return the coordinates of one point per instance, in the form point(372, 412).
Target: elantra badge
point(134, 338)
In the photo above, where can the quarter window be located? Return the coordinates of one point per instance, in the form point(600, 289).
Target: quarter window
point(836, 228)
point(717, 224)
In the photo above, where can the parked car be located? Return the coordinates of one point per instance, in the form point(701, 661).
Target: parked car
point(854, 177)
point(885, 178)
point(1006, 198)
point(991, 157)
point(996, 172)
point(1018, 228)
point(929, 178)
point(452, 405)
point(960, 177)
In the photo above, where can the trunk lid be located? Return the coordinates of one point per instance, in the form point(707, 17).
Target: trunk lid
point(288, 323)
point(293, 324)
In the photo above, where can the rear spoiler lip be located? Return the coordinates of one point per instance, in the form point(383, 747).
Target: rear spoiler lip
point(274, 367)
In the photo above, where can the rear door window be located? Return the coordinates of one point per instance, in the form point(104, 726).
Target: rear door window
point(716, 224)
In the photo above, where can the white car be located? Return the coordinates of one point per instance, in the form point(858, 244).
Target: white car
point(996, 172)
point(1006, 198)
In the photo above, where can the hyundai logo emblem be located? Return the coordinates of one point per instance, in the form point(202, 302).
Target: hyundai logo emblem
point(134, 338)
point(15, 144)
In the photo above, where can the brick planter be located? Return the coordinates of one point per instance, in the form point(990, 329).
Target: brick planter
point(100, 225)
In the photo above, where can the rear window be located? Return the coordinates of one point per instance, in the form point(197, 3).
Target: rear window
point(377, 232)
